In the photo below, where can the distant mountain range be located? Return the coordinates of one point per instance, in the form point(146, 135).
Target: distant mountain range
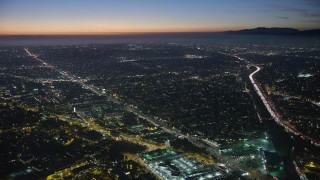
point(275, 31)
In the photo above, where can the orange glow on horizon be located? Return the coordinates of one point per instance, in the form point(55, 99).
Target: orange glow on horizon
point(120, 32)
point(54, 28)
point(112, 17)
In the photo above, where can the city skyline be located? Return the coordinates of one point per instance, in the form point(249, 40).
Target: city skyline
point(122, 17)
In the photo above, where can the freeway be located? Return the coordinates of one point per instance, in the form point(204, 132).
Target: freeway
point(270, 108)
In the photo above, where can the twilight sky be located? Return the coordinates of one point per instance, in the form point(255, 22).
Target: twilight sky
point(132, 16)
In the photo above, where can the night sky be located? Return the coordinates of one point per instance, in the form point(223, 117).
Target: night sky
point(132, 16)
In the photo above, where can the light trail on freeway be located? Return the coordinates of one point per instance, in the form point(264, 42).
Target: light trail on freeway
point(274, 114)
